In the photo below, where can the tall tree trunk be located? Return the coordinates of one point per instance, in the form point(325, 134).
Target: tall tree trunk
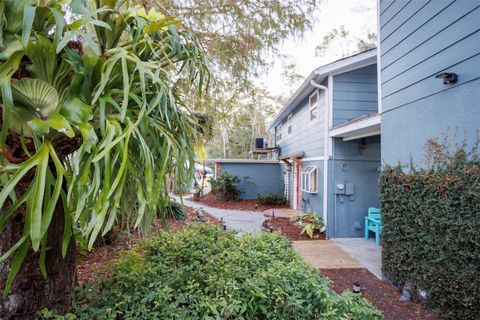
point(31, 292)
point(224, 141)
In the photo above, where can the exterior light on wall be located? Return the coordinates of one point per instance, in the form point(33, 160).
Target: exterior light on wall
point(448, 77)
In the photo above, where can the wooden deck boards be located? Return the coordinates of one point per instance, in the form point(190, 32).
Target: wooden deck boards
point(324, 254)
point(280, 212)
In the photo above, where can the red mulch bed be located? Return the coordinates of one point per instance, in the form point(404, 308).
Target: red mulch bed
point(242, 205)
point(99, 261)
point(383, 296)
point(290, 230)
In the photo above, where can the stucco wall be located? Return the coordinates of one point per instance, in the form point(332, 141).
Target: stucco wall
point(256, 177)
point(351, 164)
point(419, 40)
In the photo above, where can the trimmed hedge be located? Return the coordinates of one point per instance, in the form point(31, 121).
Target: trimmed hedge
point(431, 232)
point(271, 198)
point(203, 272)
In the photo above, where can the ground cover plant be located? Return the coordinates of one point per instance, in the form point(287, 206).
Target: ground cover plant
point(175, 210)
point(204, 272)
point(309, 223)
point(271, 198)
point(430, 239)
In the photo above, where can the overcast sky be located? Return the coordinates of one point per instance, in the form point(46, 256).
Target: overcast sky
point(358, 16)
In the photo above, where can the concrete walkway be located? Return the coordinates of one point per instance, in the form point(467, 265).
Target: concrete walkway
point(364, 251)
point(243, 221)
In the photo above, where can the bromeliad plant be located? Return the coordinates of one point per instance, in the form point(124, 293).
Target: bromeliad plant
point(90, 117)
point(309, 223)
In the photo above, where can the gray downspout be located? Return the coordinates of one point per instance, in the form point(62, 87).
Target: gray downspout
point(325, 148)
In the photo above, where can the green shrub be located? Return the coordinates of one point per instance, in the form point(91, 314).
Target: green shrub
point(175, 211)
point(431, 231)
point(226, 186)
point(309, 222)
point(203, 272)
point(271, 198)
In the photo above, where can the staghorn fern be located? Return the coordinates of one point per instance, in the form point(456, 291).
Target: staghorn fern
point(92, 103)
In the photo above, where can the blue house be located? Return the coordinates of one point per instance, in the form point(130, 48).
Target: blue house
point(328, 136)
point(422, 44)
point(422, 82)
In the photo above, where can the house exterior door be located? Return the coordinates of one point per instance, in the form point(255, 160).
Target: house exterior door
point(297, 185)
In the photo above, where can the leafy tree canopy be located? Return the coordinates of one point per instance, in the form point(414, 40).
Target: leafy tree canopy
point(241, 38)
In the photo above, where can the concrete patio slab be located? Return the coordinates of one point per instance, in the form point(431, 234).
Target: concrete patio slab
point(325, 254)
point(364, 251)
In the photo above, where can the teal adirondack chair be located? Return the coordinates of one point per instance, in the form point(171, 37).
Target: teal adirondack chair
point(373, 222)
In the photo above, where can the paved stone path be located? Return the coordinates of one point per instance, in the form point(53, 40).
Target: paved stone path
point(243, 221)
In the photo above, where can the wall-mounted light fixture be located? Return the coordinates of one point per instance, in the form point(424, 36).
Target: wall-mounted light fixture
point(448, 77)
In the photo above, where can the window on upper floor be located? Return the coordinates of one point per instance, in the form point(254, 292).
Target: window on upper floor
point(313, 106)
point(289, 124)
point(279, 134)
point(309, 179)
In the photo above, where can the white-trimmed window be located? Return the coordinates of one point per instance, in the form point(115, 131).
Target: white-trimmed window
point(279, 134)
point(313, 106)
point(309, 179)
point(289, 124)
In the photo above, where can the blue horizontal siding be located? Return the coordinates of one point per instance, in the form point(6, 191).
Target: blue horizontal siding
point(424, 24)
point(420, 82)
point(440, 36)
point(386, 5)
point(354, 94)
point(402, 18)
point(446, 26)
point(393, 11)
point(358, 87)
point(307, 136)
point(452, 38)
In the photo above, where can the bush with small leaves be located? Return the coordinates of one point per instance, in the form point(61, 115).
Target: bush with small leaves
point(226, 186)
point(430, 237)
point(271, 198)
point(203, 272)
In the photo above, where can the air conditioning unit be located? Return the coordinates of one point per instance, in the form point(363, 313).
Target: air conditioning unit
point(261, 143)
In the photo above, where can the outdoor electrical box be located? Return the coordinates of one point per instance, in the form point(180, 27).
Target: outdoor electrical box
point(339, 188)
point(349, 190)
